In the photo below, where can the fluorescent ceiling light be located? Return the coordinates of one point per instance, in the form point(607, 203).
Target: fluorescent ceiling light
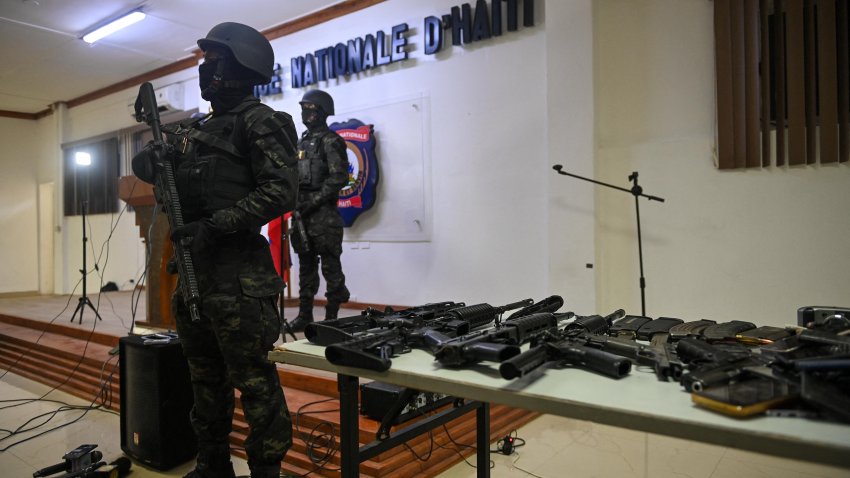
point(82, 158)
point(114, 26)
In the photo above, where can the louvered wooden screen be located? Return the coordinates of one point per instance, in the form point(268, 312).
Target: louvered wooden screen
point(783, 82)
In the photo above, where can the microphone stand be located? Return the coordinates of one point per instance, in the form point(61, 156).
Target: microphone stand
point(637, 192)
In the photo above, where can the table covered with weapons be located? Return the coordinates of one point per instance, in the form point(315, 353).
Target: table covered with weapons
point(782, 391)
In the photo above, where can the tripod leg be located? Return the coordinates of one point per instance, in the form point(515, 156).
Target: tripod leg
point(88, 302)
point(80, 306)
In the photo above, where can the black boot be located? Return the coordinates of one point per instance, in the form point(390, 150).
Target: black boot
point(212, 467)
point(305, 315)
point(331, 310)
point(264, 471)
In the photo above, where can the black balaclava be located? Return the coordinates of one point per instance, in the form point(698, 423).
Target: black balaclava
point(225, 83)
point(313, 118)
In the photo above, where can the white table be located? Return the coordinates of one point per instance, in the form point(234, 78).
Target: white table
point(638, 402)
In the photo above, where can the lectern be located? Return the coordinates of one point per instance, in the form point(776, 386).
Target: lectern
point(153, 227)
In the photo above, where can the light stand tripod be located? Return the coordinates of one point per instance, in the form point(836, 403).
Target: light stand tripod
point(84, 299)
point(637, 192)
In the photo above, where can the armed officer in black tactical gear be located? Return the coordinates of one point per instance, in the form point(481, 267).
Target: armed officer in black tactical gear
point(322, 173)
point(235, 170)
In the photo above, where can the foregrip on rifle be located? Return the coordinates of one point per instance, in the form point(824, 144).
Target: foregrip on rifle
point(147, 111)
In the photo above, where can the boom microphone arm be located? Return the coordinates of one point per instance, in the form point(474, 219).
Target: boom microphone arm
point(637, 192)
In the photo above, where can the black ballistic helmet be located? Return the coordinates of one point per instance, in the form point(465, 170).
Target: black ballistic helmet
point(249, 47)
point(320, 99)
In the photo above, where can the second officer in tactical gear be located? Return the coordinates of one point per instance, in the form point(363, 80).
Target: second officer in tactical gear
point(235, 170)
point(322, 173)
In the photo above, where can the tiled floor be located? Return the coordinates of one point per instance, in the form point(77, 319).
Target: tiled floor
point(554, 447)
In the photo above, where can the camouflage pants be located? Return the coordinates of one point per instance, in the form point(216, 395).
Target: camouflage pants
point(225, 349)
point(324, 233)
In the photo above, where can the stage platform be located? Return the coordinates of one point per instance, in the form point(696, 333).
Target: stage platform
point(39, 340)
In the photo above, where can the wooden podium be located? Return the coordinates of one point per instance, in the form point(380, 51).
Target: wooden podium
point(160, 284)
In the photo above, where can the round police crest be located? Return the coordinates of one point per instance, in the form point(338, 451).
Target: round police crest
point(360, 193)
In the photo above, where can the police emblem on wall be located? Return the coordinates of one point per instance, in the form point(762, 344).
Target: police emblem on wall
point(359, 194)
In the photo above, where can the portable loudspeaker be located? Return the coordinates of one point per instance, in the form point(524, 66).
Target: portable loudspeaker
point(156, 397)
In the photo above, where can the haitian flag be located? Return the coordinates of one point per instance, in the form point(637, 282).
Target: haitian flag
point(273, 234)
point(360, 193)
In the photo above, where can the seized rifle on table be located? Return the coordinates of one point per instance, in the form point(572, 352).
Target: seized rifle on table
point(399, 333)
point(661, 357)
point(712, 365)
point(334, 331)
point(570, 345)
point(495, 344)
point(165, 190)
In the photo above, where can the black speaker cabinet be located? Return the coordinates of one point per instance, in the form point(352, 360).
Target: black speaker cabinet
point(156, 397)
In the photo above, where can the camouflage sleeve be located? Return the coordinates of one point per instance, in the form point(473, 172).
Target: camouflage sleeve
point(335, 152)
point(271, 135)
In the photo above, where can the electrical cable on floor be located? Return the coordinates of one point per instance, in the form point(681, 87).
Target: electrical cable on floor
point(457, 448)
point(65, 407)
point(314, 442)
point(513, 465)
point(430, 448)
point(104, 392)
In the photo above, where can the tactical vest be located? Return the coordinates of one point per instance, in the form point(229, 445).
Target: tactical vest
point(312, 162)
point(212, 164)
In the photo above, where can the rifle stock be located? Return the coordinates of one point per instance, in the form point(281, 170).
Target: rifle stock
point(147, 111)
point(372, 352)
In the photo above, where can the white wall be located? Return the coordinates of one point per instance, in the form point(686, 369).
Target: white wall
point(114, 241)
point(18, 206)
point(725, 245)
point(735, 245)
point(488, 155)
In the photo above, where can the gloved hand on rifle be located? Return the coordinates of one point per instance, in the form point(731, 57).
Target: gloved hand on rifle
point(305, 208)
point(143, 163)
point(203, 234)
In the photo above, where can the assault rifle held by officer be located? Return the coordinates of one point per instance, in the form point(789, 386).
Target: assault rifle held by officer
point(397, 334)
point(146, 110)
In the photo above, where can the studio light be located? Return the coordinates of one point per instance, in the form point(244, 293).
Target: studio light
point(82, 158)
point(113, 26)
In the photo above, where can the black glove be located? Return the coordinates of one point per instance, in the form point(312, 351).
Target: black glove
point(201, 233)
point(306, 208)
point(143, 163)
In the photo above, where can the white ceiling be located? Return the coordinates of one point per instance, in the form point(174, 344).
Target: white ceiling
point(43, 60)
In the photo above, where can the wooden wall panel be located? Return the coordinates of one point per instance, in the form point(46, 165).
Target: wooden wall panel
point(827, 82)
point(796, 94)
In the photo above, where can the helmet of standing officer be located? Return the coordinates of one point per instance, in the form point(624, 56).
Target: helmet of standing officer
point(249, 48)
point(321, 99)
